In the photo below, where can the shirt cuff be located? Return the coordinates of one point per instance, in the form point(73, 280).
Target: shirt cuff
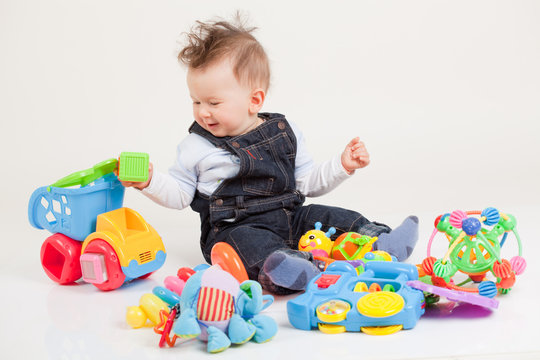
point(151, 188)
point(339, 169)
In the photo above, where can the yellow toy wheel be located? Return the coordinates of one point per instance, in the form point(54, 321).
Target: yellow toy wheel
point(380, 304)
point(333, 311)
point(381, 330)
point(331, 328)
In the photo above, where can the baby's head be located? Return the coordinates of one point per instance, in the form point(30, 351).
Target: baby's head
point(228, 76)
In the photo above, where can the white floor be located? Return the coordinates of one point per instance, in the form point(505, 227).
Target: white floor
point(44, 320)
point(444, 93)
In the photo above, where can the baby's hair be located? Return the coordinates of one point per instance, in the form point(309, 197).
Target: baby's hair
point(211, 41)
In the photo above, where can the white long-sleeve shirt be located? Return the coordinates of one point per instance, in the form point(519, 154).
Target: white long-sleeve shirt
point(201, 166)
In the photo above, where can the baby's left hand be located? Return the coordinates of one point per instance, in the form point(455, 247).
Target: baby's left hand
point(355, 156)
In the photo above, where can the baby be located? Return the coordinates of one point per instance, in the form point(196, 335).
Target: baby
point(247, 172)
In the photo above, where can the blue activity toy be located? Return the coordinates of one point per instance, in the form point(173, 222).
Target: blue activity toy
point(376, 302)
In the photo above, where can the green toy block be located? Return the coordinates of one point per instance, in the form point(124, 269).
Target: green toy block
point(133, 166)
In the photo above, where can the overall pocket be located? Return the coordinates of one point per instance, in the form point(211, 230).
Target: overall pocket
point(271, 167)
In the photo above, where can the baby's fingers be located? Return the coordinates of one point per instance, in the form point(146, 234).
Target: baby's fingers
point(353, 143)
point(127, 183)
point(359, 147)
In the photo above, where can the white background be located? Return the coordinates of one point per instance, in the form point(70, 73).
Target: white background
point(445, 94)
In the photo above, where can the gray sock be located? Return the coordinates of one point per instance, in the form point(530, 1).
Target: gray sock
point(400, 242)
point(289, 271)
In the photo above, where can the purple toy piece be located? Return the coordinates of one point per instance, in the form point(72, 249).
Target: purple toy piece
point(455, 295)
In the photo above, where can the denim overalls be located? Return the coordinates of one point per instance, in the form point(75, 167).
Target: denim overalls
point(259, 210)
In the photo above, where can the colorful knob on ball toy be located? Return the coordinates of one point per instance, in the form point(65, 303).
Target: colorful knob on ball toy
point(507, 283)
point(457, 217)
point(471, 226)
point(439, 281)
point(438, 220)
point(441, 218)
point(502, 269)
point(427, 265)
point(445, 271)
point(518, 264)
point(487, 289)
point(491, 216)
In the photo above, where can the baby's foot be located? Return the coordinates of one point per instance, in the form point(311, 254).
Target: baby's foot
point(400, 242)
point(289, 271)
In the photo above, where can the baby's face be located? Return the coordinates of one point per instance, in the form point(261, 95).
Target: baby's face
point(221, 104)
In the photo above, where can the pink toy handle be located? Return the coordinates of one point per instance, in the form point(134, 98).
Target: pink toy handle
point(431, 241)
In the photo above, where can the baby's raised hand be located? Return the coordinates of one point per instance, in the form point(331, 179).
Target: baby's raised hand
point(138, 185)
point(355, 156)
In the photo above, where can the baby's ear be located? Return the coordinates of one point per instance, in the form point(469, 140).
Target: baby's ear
point(256, 100)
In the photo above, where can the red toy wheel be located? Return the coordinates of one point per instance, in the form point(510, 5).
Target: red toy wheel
point(60, 259)
point(115, 276)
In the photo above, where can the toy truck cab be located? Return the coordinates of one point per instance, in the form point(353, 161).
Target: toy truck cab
point(124, 247)
point(378, 301)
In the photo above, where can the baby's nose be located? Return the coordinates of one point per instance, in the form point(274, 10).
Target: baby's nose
point(203, 112)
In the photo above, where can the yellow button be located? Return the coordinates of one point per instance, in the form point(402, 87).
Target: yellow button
point(380, 304)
